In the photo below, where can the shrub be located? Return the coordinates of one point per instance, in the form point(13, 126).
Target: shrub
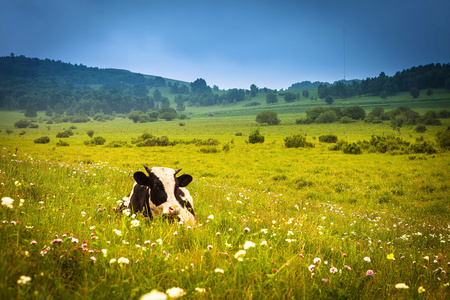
point(443, 139)
point(90, 133)
point(210, 149)
point(255, 137)
point(238, 134)
point(134, 115)
point(149, 140)
point(355, 112)
point(182, 124)
point(208, 142)
point(9, 131)
point(346, 120)
point(117, 144)
point(42, 140)
point(32, 125)
point(22, 123)
point(65, 134)
point(351, 148)
point(423, 147)
point(329, 116)
point(296, 141)
point(144, 118)
point(62, 143)
point(253, 103)
point(98, 140)
point(420, 128)
point(328, 138)
point(269, 117)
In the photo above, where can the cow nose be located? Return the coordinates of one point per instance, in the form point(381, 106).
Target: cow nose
point(174, 210)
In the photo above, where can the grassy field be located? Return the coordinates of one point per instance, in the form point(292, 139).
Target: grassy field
point(272, 222)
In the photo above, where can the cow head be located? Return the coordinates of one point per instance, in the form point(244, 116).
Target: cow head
point(163, 184)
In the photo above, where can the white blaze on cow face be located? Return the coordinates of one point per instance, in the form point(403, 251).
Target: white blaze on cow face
point(164, 183)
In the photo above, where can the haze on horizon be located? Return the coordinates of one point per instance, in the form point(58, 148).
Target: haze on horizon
point(232, 44)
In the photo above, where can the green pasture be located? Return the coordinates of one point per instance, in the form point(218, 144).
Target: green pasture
point(272, 222)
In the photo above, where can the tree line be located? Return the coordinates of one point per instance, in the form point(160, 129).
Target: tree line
point(429, 76)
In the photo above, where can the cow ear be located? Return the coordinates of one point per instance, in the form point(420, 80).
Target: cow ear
point(142, 179)
point(184, 180)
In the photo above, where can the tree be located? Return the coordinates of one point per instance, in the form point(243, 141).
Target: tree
point(199, 86)
point(289, 97)
point(271, 98)
point(168, 114)
point(329, 100)
point(157, 95)
point(329, 116)
point(383, 94)
point(355, 112)
point(414, 92)
point(305, 93)
point(31, 111)
point(90, 133)
point(134, 115)
point(429, 92)
point(253, 90)
point(49, 111)
point(165, 102)
point(269, 117)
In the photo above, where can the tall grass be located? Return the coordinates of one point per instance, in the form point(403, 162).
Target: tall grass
point(373, 220)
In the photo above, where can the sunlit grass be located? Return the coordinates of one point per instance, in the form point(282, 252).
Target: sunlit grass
point(294, 205)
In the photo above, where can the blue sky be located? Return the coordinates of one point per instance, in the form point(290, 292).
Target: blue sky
point(232, 44)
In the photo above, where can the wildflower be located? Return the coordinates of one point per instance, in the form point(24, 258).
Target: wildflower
point(118, 232)
point(426, 257)
point(23, 280)
point(333, 270)
point(347, 267)
point(421, 290)
point(209, 247)
point(218, 270)
point(246, 229)
point(93, 259)
point(325, 280)
point(200, 290)
point(8, 202)
point(104, 251)
point(123, 260)
point(370, 273)
point(154, 295)
point(210, 217)
point(175, 292)
point(57, 241)
point(83, 213)
point(391, 256)
point(248, 244)
point(134, 223)
point(22, 201)
point(74, 239)
point(317, 260)
point(126, 212)
point(401, 286)
point(112, 261)
point(33, 243)
point(264, 230)
point(311, 268)
point(238, 254)
point(367, 259)
point(263, 243)
point(17, 183)
point(43, 252)
point(344, 255)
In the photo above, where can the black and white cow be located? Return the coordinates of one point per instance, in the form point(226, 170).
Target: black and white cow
point(161, 194)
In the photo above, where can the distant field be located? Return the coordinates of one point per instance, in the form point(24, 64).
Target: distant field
point(374, 220)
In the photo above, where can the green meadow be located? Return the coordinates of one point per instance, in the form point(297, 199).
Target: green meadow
point(272, 222)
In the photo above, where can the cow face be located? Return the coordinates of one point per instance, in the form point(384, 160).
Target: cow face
point(163, 185)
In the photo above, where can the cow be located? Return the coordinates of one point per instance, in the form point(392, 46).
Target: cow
point(161, 194)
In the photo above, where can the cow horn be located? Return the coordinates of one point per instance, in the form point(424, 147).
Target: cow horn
point(177, 170)
point(147, 169)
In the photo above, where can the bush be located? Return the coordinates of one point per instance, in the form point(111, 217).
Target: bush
point(144, 118)
point(32, 125)
point(208, 142)
point(443, 139)
point(62, 143)
point(182, 124)
point(423, 147)
point(98, 140)
point(22, 123)
point(253, 103)
point(296, 141)
point(238, 134)
point(9, 131)
point(42, 140)
point(117, 144)
point(328, 138)
point(420, 128)
point(90, 133)
point(210, 149)
point(329, 116)
point(355, 112)
point(65, 134)
point(269, 117)
point(149, 140)
point(346, 120)
point(351, 148)
point(255, 137)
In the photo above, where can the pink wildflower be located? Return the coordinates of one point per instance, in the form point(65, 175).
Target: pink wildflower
point(370, 273)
